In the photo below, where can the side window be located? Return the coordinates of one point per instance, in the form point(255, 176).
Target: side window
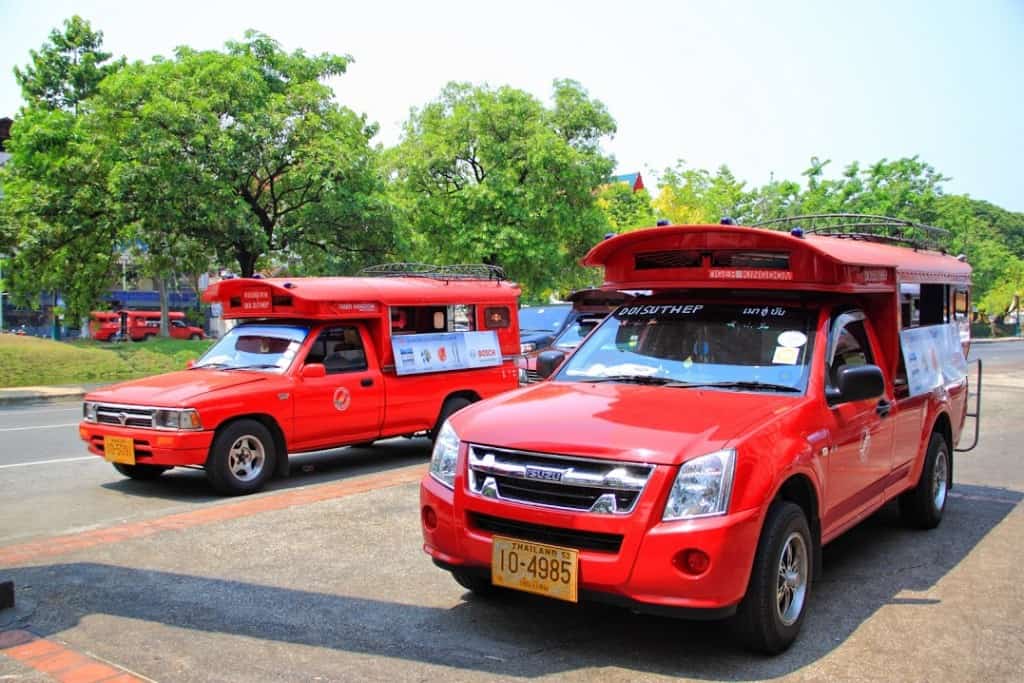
point(851, 349)
point(340, 349)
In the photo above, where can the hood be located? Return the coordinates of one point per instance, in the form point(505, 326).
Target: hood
point(629, 422)
point(175, 389)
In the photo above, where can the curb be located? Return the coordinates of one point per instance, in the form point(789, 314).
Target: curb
point(29, 395)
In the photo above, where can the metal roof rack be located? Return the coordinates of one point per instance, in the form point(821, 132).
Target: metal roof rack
point(462, 271)
point(866, 227)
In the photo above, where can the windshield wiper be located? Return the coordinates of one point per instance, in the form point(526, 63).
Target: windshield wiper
point(209, 365)
point(765, 386)
point(635, 379)
point(261, 366)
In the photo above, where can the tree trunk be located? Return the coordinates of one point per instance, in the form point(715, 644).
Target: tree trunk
point(161, 283)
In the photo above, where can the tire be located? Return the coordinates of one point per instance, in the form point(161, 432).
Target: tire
point(195, 337)
point(450, 407)
point(242, 458)
point(476, 583)
point(140, 472)
point(923, 505)
point(770, 615)
point(363, 444)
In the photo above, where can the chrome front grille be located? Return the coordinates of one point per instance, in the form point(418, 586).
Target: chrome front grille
point(532, 376)
point(125, 416)
point(558, 481)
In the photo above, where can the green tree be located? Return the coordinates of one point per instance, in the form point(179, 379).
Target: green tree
point(67, 69)
point(59, 223)
point(492, 175)
point(688, 196)
point(625, 209)
point(250, 149)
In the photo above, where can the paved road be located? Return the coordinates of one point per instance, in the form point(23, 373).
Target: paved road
point(323, 578)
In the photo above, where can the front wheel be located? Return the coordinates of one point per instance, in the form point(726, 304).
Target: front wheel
point(769, 617)
point(241, 458)
point(476, 583)
point(195, 337)
point(140, 472)
point(923, 505)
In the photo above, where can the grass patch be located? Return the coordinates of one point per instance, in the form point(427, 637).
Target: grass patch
point(30, 361)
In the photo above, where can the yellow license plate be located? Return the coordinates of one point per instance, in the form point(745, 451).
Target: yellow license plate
point(548, 570)
point(119, 449)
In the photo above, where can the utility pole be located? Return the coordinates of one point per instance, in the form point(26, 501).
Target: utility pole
point(3, 290)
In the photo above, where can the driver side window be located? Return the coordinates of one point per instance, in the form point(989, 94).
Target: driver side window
point(851, 349)
point(340, 349)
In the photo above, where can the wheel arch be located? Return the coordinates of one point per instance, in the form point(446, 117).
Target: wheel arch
point(800, 489)
point(943, 425)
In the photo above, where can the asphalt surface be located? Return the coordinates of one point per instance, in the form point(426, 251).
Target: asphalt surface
point(339, 588)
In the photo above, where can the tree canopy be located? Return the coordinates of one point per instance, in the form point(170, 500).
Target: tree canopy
point(492, 175)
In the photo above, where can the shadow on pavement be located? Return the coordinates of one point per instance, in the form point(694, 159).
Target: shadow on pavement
point(190, 485)
point(521, 635)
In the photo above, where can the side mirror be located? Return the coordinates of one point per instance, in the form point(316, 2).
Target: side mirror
point(857, 383)
point(189, 364)
point(548, 362)
point(313, 370)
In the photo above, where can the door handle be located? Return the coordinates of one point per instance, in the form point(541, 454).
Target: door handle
point(883, 408)
point(366, 382)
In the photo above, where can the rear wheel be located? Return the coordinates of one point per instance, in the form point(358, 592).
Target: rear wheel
point(450, 407)
point(923, 505)
point(242, 458)
point(769, 617)
point(195, 337)
point(140, 472)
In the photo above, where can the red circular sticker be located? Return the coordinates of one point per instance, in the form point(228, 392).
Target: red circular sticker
point(342, 399)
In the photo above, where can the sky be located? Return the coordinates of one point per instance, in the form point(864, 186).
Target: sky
point(758, 86)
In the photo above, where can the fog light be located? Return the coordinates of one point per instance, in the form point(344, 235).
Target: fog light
point(693, 562)
point(429, 518)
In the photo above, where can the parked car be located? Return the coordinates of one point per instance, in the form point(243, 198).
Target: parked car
point(539, 325)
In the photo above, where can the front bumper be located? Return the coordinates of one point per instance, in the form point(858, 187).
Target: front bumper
point(645, 573)
point(152, 446)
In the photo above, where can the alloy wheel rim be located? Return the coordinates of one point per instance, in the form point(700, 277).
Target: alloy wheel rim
point(246, 458)
point(791, 586)
point(939, 480)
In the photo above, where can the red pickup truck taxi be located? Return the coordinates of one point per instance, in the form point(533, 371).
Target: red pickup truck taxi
point(313, 363)
point(695, 452)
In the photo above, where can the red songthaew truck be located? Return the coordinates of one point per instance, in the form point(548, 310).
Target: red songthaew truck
point(762, 393)
point(314, 363)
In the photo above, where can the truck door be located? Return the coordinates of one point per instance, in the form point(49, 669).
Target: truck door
point(346, 404)
point(862, 432)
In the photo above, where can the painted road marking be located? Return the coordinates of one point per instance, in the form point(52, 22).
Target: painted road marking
point(30, 411)
point(47, 462)
point(61, 662)
point(22, 429)
point(59, 545)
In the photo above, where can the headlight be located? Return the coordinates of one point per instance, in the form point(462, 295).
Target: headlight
point(524, 378)
point(702, 487)
point(177, 419)
point(89, 411)
point(526, 348)
point(445, 456)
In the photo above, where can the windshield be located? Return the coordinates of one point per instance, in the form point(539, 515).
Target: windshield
point(686, 343)
point(542, 318)
point(574, 333)
point(269, 348)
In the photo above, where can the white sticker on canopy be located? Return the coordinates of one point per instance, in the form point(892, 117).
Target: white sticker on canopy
point(792, 339)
